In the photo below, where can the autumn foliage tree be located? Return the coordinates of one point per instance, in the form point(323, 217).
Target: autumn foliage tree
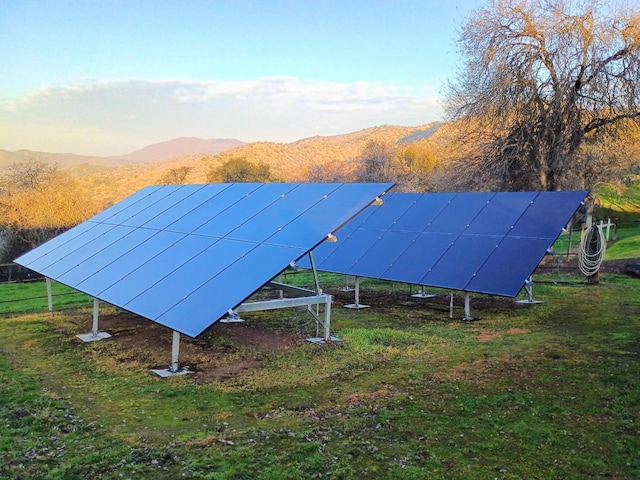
point(542, 85)
point(408, 165)
point(175, 176)
point(38, 201)
point(240, 170)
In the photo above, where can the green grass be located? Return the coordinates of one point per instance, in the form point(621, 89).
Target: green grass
point(32, 297)
point(534, 392)
point(621, 202)
point(553, 392)
point(626, 244)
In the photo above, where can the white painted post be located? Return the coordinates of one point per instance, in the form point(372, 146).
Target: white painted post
point(467, 308)
point(94, 330)
point(327, 319)
point(357, 292)
point(175, 351)
point(451, 306)
point(49, 297)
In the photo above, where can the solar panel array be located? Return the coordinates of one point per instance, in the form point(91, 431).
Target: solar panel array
point(476, 242)
point(184, 255)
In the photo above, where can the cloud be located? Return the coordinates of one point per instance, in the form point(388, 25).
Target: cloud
point(121, 116)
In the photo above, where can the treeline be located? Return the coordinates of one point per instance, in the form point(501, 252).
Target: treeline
point(37, 202)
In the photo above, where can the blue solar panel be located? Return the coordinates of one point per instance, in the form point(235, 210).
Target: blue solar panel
point(149, 212)
point(135, 256)
point(382, 218)
point(242, 212)
point(230, 287)
point(134, 282)
point(124, 204)
point(334, 256)
point(426, 208)
point(199, 195)
point(461, 210)
point(419, 257)
point(71, 245)
point(219, 201)
point(319, 220)
point(184, 255)
point(457, 265)
point(481, 242)
point(508, 266)
point(44, 249)
point(376, 260)
point(155, 198)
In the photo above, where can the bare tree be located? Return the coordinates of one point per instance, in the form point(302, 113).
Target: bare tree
point(376, 162)
point(540, 80)
point(38, 201)
point(175, 176)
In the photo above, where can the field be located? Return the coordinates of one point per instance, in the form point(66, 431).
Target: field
point(536, 392)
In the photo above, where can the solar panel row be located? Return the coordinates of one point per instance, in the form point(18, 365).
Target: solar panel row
point(476, 242)
point(184, 255)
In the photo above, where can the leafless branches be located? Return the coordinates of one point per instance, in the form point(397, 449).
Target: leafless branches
point(540, 78)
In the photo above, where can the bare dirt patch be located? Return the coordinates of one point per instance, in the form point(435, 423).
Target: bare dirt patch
point(484, 336)
point(224, 351)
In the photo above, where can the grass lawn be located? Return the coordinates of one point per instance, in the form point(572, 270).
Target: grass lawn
point(548, 391)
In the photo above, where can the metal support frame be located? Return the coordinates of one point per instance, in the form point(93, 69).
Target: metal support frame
point(301, 297)
point(95, 335)
point(322, 299)
point(174, 368)
point(423, 294)
point(356, 304)
point(528, 286)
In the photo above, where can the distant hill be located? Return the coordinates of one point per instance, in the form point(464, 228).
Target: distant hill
point(178, 147)
point(153, 153)
point(291, 161)
point(110, 179)
point(61, 159)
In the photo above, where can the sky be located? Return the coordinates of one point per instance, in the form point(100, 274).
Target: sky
point(108, 77)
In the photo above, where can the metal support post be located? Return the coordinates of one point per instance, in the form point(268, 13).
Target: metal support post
point(315, 274)
point(49, 297)
point(95, 335)
point(326, 324)
point(174, 369)
point(451, 306)
point(175, 351)
point(528, 286)
point(423, 294)
point(346, 287)
point(327, 319)
point(467, 308)
point(96, 312)
point(357, 303)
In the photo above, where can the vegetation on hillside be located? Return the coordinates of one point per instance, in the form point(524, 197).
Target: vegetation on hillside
point(240, 170)
point(38, 201)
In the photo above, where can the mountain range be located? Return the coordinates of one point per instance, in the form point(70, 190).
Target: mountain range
point(112, 178)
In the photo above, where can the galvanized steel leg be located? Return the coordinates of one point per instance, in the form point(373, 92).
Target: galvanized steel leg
point(467, 308)
point(175, 351)
point(451, 306)
point(49, 297)
point(357, 303)
point(94, 330)
point(327, 319)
